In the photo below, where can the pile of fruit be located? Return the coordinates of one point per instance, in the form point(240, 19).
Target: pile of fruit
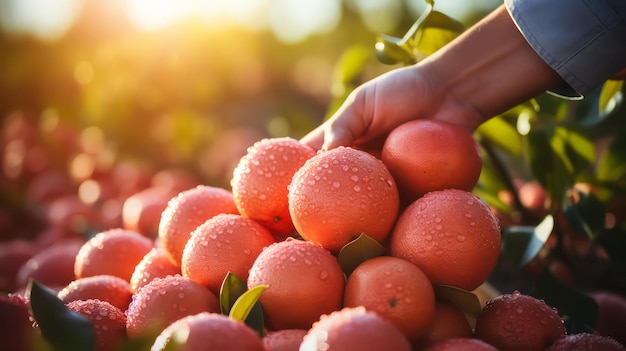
point(309, 250)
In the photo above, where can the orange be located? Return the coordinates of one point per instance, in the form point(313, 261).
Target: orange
point(464, 343)
point(304, 281)
point(396, 289)
point(424, 155)
point(448, 322)
point(141, 212)
point(164, 301)
point(208, 332)
point(586, 341)
point(341, 193)
point(284, 340)
point(114, 252)
point(114, 290)
point(155, 264)
point(261, 178)
point(451, 235)
point(188, 210)
point(225, 243)
point(109, 322)
point(512, 322)
point(354, 328)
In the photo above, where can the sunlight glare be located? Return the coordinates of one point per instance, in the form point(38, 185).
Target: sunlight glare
point(152, 15)
point(295, 20)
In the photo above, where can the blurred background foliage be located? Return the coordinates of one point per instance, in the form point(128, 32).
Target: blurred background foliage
point(191, 83)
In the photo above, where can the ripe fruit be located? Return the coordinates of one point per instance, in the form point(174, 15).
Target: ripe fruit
point(611, 314)
point(141, 212)
point(185, 212)
point(586, 341)
point(16, 327)
point(52, 266)
point(224, 243)
point(261, 178)
point(516, 321)
point(448, 322)
point(425, 155)
point(13, 255)
point(341, 193)
point(113, 252)
point(451, 235)
point(284, 340)
point(155, 264)
point(114, 290)
point(354, 328)
point(165, 300)
point(465, 344)
point(207, 332)
point(109, 322)
point(396, 289)
point(304, 281)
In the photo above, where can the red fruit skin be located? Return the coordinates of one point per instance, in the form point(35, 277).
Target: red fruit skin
point(586, 341)
point(165, 300)
point(361, 329)
point(464, 344)
point(428, 155)
point(155, 264)
point(52, 266)
point(13, 255)
point(208, 332)
point(284, 340)
point(16, 327)
point(114, 252)
point(141, 212)
point(111, 289)
point(109, 322)
point(186, 211)
point(518, 322)
point(611, 315)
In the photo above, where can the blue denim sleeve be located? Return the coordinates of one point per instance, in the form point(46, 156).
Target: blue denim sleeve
point(584, 41)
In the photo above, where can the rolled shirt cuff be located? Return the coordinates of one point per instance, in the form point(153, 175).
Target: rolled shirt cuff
point(583, 41)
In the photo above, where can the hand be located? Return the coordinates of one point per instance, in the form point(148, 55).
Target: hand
point(378, 106)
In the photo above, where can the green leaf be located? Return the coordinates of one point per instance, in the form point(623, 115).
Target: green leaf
point(440, 20)
point(349, 66)
point(556, 156)
point(63, 329)
point(611, 96)
point(248, 309)
point(391, 51)
point(520, 244)
point(232, 288)
point(567, 300)
point(464, 300)
point(612, 164)
point(501, 134)
point(358, 251)
point(586, 215)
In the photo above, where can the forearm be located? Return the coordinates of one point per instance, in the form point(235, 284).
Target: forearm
point(490, 68)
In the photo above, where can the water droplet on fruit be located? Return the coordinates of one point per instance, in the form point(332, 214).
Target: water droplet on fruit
point(357, 188)
point(262, 197)
point(460, 238)
point(437, 220)
point(354, 178)
point(388, 285)
point(519, 310)
point(336, 185)
point(323, 274)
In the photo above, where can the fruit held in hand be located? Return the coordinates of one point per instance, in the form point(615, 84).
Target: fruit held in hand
point(425, 155)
